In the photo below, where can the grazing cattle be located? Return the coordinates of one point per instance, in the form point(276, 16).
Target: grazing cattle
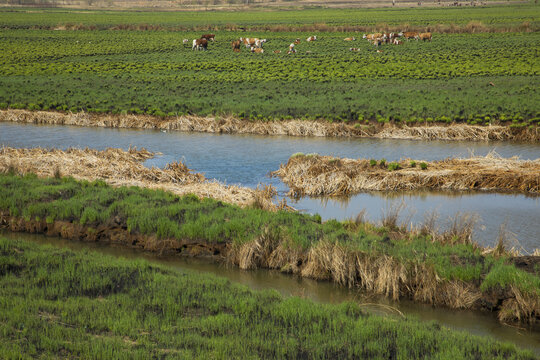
point(259, 43)
point(277, 51)
point(410, 35)
point(311, 38)
point(209, 37)
point(296, 42)
point(424, 36)
point(371, 37)
point(349, 39)
point(257, 50)
point(396, 41)
point(236, 45)
point(354, 49)
point(185, 41)
point(249, 42)
point(379, 51)
point(292, 50)
point(200, 44)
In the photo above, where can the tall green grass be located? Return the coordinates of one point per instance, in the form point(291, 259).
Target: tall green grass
point(55, 303)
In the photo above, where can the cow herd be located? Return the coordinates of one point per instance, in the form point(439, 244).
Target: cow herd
point(378, 39)
point(255, 45)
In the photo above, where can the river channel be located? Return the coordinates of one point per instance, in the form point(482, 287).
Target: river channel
point(477, 323)
point(247, 160)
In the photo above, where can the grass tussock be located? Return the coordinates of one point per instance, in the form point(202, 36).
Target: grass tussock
point(295, 127)
point(325, 175)
point(124, 168)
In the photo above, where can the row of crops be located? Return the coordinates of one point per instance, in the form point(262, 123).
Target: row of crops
point(457, 77)
point(489, 15)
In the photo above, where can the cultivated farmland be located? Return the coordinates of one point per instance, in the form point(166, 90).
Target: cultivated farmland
point(465, 77)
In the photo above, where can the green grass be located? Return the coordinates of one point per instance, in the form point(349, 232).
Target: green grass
point(58, 303)
point(155, 212)
point(490, 16)
point(122, 71)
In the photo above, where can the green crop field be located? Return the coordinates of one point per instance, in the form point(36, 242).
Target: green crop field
point(493, 16)
point(474, 77)
point(55, 303)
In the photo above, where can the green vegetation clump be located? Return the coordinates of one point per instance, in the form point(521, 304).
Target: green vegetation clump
point(58, 303)
point(372, 162)
point(412, 163)
point(423, 165)
point(393, 166)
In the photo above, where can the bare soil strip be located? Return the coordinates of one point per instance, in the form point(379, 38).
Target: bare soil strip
point(231, 125)
point(124, 168)
point(316, 175)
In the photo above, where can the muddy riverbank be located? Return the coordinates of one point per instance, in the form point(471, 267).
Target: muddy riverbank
point(231, 125)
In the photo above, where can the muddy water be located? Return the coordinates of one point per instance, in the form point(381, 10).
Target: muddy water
point(247, 159)
point(477, 323)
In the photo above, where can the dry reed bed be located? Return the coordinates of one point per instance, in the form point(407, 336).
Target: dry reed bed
point(470, 28)
point(124, 168)
point(231, 125)
point(385, 275)
point(316, 175)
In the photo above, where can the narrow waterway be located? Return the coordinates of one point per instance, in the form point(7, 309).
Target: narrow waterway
point(477, 323)
point(247, 159)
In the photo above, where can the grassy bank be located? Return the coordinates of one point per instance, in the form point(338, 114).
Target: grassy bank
point(57, 303)
point(439, 268)
point(503, 131)
point(317, 175)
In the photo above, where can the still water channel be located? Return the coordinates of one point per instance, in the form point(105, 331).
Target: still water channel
point(477, 323)
point(247, 159)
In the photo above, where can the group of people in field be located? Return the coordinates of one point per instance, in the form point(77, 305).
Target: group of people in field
point(255, 45)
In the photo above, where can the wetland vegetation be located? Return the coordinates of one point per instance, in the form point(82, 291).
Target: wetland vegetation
point(439, 268)
point(60, 303)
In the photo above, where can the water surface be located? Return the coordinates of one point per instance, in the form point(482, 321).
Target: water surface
point(247, 159)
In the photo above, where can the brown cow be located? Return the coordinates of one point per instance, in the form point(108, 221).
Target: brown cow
point(349, 39)
point(410, 35)
point(311, 38)
point(424, 36)
point(257, 50)
point(209, 37)
point(249, 42)
point(200, 44)
point(236, 45)
point(277, 51)
point(371, 36)
point(296, 42)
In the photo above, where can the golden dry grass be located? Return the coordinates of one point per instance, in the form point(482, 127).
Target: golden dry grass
point(124, 168)
point(316, 175)
point(231, 125)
